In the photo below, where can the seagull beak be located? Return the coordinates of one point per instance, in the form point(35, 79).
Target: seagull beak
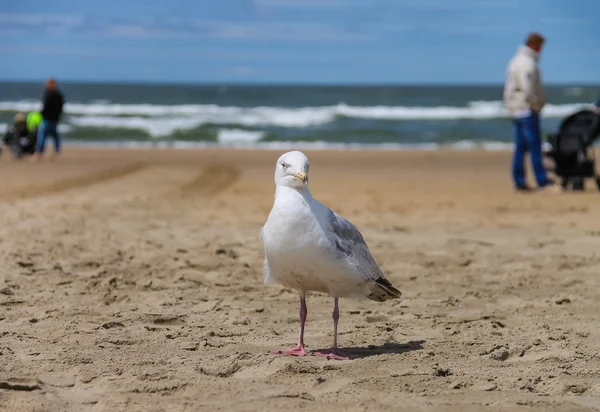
point(301, 176)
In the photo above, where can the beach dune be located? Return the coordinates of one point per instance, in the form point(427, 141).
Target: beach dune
point(132, 280)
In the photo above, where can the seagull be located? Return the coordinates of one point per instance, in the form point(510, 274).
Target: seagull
point(310, 248)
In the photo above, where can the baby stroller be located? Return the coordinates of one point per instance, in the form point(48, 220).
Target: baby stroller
point(20, 138)
point(24, 146)
point(572, 149)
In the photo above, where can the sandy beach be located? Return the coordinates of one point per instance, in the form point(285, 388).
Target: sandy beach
point(131, 280)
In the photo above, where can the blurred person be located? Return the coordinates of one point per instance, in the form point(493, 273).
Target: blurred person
point(53, 102)
point(525, 97)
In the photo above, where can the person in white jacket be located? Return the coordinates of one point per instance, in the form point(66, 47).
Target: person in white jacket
point(524, 98)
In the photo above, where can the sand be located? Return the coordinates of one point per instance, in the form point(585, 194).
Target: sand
point(131, 281)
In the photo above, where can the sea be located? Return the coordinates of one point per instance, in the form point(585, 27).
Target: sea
point(459, 117)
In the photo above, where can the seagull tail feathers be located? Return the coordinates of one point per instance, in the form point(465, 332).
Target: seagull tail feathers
point(382, 290)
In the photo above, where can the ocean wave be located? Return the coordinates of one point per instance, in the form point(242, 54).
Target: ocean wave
point(155, 127)
point(201, 114)
point(65, 128)
point(574, 91)
point(161, 126)
point(298, 145)
point(62, 128)
point(238, 136)
point(300, 117)
point(477, 110)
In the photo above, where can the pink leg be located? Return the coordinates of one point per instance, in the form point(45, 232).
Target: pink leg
point(334, 353)
point(298, 350)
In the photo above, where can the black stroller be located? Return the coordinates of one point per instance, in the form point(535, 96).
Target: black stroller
point(572, 149)
point(19, 140)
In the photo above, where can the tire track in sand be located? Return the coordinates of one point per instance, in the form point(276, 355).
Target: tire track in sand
point(77, 182)
point(212, 180)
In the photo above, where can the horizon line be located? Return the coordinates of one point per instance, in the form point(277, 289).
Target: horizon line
point(290, 83)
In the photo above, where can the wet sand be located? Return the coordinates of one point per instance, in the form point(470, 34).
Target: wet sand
point(131, 280)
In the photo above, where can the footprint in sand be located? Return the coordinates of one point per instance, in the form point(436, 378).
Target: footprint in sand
point(329, 385)
point(263, 370)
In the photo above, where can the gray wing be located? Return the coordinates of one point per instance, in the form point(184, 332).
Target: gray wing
point(351, 246)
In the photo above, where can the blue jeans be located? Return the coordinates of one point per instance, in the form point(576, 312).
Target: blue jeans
point(528, 139)
point(48, 128)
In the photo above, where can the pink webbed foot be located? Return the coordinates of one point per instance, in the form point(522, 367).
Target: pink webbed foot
point(297, 351)
point(334, 354)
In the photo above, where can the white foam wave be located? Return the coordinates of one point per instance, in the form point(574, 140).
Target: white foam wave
point(574, 91)
point(474, 110)
point(238, 136)
point(255, 116)
point(65, 128)
point(165, 126)
point(290, 117)
point(155, 127)
point(300, 145)
point(62, 128)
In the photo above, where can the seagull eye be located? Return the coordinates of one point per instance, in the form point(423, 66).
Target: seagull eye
point(284, 165)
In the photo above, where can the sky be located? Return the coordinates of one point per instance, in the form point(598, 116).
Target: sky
point(295, 41)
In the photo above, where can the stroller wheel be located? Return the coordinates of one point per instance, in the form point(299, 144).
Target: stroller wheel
point(578, 184)
point(16, 152)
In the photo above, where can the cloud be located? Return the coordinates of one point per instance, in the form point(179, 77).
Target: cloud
point(478, 28)
point(39, 20)
point(300, 4)
point(16, 23)
point(445, 5)
point(174, 28)
point(243, 71)
point(567, 21)
point(293, 31)
point(246, 58)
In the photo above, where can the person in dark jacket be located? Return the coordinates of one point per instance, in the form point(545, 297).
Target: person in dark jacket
point(53, 102)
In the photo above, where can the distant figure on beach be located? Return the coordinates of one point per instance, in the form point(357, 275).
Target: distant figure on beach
point(524, 97)
point(596, 106)
point(53, 102)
